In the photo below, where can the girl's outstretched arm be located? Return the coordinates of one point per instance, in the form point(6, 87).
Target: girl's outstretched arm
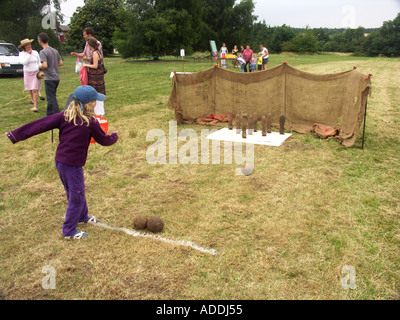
point(100, 137)
point(35, 127)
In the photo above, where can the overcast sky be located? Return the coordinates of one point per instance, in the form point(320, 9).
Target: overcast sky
point(327, 13)
point(313, 13)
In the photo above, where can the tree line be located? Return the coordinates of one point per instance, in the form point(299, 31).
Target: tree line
point(162, 27)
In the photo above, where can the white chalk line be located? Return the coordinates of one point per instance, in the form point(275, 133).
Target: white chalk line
point(157, 237)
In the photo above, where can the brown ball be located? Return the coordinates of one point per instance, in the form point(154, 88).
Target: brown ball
point(155, 224)
point(140, 222)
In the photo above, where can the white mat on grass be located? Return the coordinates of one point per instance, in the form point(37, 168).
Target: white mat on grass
point(274, 139)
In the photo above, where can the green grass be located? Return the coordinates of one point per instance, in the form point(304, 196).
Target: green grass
point(285, 232)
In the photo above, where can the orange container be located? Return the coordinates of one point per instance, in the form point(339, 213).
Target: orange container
point(103, 124)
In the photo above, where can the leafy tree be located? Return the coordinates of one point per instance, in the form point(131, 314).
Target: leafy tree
point(388, 38)
point(242, 23)
point(155, 27)
point(353, 38)
point(322, 37)
point(303, 42)
point(261, 34)
point(373, 45)
point(20, 19)
point(219, 16)
point(281, 34)
point(337, 43)
point(143, 30)
point(350, 40)
point(101, 16)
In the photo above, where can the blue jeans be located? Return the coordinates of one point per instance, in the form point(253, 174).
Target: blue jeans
point(74, 184)
point(51, 95)
point(247, 64)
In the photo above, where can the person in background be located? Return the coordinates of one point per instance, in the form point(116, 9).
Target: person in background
point(247, 55)
point(235, 50)
point(31, 61)
point(253, 63)
point(222, 53)
point(77, 126)
point(242, 63)
point(51, 60)
point(265, 56)
point(96, 73)
point(87, 53)
point(259, 62)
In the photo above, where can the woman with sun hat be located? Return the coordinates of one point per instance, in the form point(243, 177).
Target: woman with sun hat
point(31, 61)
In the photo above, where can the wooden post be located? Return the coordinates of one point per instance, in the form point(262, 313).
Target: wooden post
point(264, 125)
point(269, 123)
point(365, 118)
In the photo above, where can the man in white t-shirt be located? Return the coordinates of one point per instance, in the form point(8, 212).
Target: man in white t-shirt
point(265, 56)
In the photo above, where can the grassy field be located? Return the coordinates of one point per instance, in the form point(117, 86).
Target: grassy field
point(310, 208)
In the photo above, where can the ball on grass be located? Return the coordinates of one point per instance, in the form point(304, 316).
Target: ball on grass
point(140, 222)
point(155, 224)
point(247, 169)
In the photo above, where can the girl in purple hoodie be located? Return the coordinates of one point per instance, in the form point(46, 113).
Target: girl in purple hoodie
point(77, 126)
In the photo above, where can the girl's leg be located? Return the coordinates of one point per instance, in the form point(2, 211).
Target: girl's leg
point(74, 185)
point(84, 212)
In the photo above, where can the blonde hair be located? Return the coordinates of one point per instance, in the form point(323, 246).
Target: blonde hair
point(74, 111)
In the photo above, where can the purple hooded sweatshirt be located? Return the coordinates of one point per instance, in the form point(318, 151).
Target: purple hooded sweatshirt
point(74, 139)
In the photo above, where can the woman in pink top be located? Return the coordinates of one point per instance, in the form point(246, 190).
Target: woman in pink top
point(247, 55)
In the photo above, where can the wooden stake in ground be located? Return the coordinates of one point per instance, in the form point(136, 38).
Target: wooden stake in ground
point(282, 120)
point(255, 119)
point(238, 123)
point(269, 122)
point(264, 125)
point(250, 124)
point(244, 127)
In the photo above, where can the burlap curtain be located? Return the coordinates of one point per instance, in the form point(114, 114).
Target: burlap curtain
point(336, 100)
